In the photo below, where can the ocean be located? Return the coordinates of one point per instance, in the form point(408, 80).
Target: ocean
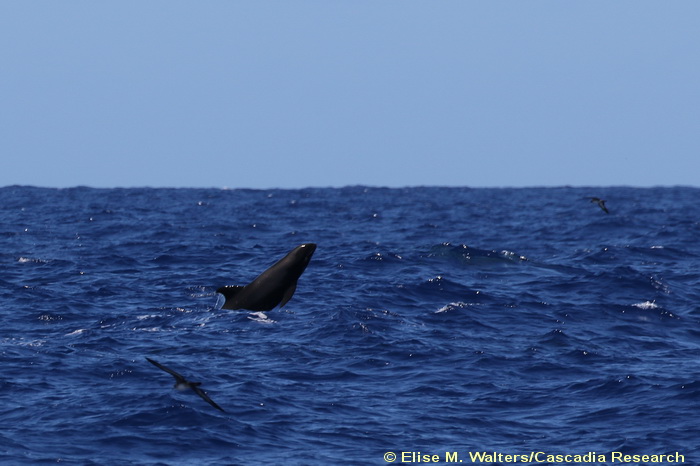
point(432, 325)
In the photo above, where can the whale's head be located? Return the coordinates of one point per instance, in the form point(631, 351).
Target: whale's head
point(303, 253)
point(293, 264)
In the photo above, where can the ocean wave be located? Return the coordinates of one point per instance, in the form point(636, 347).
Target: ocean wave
point(428, 318)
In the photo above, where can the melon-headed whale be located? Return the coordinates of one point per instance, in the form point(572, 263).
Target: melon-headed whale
point(183, 384)
point(274, 287)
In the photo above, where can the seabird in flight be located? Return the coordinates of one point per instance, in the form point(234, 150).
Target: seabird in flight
point(183, 384)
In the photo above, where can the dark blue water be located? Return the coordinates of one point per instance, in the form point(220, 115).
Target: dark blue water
point(429, 319)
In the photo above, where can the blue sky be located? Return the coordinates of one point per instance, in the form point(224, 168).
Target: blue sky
point(297, 93)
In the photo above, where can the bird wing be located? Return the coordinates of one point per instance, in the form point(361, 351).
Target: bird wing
point(205, 397)
point(177, 376)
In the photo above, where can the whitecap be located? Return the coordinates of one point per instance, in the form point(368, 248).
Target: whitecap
point(26, 343)
point(147, 316)
point(455, 305)
point(646, 305)
point(261, 317)
point(24, 260)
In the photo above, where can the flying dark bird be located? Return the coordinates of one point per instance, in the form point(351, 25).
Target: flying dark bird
point(183, 384)
point(274, 287)
point(601, 204)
